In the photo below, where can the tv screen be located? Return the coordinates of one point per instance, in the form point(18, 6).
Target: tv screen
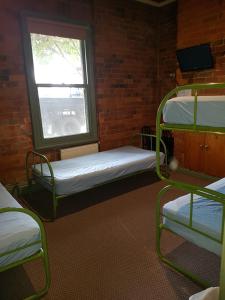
point(195, 58)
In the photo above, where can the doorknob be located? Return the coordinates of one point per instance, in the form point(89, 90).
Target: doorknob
point(206, 147)
point(201, 146)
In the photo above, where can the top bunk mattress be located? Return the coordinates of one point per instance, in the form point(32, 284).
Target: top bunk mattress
point(207, 218)
point(210, 112)
point(81, 173)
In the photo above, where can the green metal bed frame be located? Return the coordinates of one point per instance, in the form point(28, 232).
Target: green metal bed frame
point(192, 189)
point(42, 253)
point(33, 158)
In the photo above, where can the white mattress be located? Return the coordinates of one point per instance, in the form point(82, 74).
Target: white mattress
point(17, 230)
point(84, 172)
point(211, 111)
point(207, 217)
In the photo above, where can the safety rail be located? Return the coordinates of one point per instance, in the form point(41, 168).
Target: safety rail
point(151, 136)
point(189, 224)
point(41, 160)
point(192, 189)
point(42, 253)
point(160, 126)
point(192, 127)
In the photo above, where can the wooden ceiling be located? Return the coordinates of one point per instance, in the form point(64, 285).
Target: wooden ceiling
point(157, 3)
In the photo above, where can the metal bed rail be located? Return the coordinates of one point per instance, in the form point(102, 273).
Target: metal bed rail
point(42, 253)
point(188, 224)
point(160, 126)
point(192, 189)
point(34, 158)
point(152, 137)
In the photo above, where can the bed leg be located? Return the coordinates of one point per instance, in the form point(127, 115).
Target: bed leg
point(201, 282)
point(55, 204)
point(47, 272)
point(44, 291)
point(45, 262)
point(222, 266)
point(171, 264)
point(158, 227)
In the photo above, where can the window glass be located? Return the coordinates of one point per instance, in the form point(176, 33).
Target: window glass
point(63, 111)
point(56, 59)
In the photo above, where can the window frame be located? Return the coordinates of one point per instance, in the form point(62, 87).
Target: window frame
point(87, 59)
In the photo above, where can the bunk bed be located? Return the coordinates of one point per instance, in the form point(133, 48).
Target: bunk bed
point(70, 176)
point(199, 215)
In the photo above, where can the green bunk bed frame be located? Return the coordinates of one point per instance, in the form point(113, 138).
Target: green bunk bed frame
point(33, 158)
point(41, 254)
point(186, 187)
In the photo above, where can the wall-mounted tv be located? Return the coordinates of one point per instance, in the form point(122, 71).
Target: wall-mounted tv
point(195, 58)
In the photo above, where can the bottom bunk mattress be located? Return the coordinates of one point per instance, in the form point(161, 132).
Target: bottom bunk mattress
point(17, 230)
point(81, 173)
point(207, 218)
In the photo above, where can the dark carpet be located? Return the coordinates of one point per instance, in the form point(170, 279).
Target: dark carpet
point(102, 246)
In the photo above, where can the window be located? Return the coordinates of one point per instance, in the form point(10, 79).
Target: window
point(60, 82)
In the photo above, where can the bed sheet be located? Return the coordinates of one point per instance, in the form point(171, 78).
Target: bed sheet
point(17, 230)
point(207, 217)
point(81, 173)
point(180, 110)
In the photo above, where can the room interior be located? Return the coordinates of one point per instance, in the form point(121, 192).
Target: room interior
point(101, 241)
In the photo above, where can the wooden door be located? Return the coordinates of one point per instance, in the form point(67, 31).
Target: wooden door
point(179, 147)
point(214, 148)
point(194, 151)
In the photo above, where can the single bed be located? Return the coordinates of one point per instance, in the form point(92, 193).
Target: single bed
point(210, 110)
point(22, 237)
point(81, 173)
point(17, 231)
point(70, 176)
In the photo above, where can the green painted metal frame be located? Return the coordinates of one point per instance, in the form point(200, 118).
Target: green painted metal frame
point(42, 253)
point(192, 189)
point(42, 159)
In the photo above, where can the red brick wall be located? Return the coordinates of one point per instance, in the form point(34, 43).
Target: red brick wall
point(15, 123)
point(126, 44)
point(167, 35)
point(202, 22)
point(125, 51)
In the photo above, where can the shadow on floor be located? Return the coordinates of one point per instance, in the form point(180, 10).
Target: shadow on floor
point(15, 284)
point(197, 260)
point(41, 201)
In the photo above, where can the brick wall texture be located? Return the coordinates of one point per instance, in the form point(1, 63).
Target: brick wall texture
point(134, 55)
point(201, 22)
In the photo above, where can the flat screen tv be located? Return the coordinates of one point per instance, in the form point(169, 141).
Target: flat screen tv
point(195, 58)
